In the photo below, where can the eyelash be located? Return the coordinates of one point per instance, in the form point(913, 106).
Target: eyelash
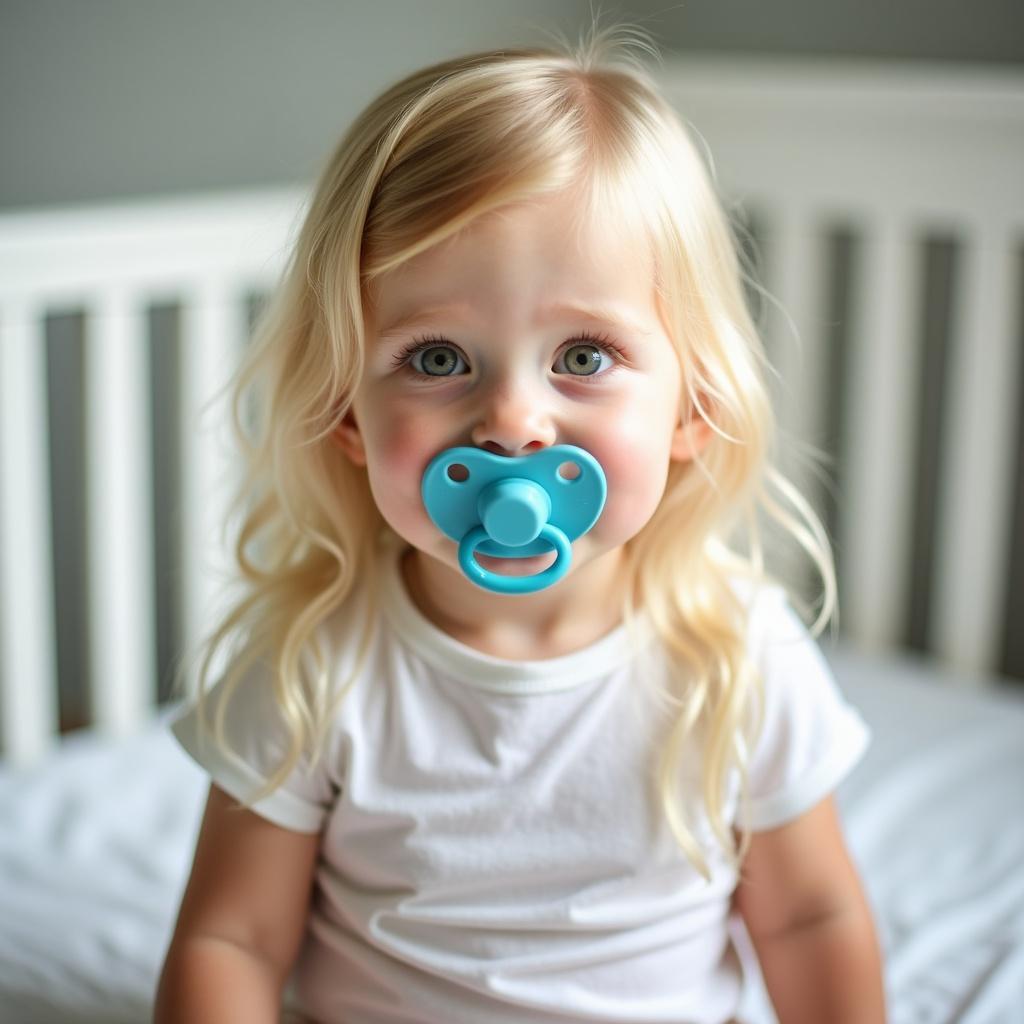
point(601, 341)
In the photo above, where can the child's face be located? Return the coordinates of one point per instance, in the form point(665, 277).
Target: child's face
point(504, 370)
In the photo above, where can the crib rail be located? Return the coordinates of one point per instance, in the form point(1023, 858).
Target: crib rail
point(113, 263)
point(889, 214)
point(918, 399)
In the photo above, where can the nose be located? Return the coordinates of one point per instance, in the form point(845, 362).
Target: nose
point(513, 422)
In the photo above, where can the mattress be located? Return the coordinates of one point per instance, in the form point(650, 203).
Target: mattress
point(96, 842)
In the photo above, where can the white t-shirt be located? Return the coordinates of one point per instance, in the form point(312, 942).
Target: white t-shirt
point(494, 851)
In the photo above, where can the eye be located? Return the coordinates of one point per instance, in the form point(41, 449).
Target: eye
point(588, 357)
point(432, 357)
point(436, 361)
point(582, 360)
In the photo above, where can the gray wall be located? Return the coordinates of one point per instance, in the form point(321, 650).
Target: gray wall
point(990, 31)
point(109, 98)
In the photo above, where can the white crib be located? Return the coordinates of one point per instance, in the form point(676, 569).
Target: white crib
point(814, 153)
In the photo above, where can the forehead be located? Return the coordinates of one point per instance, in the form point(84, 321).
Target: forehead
point(545, 251)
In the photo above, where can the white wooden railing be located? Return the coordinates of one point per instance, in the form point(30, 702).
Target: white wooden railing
point(112, 262)
point(897, 152)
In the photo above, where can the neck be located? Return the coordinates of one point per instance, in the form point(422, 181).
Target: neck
point(577, 611)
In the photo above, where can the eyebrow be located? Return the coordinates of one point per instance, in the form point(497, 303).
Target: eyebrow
point(462, 311)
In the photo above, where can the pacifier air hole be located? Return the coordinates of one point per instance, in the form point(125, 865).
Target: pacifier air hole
point(458, 473)
point(569, 471)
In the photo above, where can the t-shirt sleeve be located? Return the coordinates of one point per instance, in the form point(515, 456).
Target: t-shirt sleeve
point(258, 742)
point(811, 737)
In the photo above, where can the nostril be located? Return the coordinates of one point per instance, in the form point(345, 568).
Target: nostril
point(510, 452)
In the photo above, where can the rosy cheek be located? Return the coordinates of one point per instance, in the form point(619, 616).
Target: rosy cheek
point(402, 450)
point(399, 448)
point(394, 440)
point(636, 466)
point(634, 484)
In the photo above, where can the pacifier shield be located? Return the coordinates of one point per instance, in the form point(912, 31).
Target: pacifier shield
point(514, 507)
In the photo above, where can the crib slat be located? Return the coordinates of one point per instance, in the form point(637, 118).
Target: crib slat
point(879, 432)
point(28, 671)
point(119, 502)
point(976, 483)
point(213, 331)
point(795, 278)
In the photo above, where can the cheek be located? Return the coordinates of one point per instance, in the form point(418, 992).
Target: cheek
point(398, 449)
point(634, 452)
point(636, 482)
point(394, 455)
point(396, 440)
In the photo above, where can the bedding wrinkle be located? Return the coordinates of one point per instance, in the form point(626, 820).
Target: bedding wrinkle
point(999, 988)
point(94, 848)
point(935, 819)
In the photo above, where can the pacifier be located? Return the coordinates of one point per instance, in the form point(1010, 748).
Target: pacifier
point(514, 507)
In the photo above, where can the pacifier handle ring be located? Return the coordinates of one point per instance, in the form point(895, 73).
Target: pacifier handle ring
point(515, 584)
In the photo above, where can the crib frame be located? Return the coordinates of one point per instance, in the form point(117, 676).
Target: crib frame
point(899, 155)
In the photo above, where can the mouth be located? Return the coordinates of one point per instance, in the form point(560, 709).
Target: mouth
point(517, 566)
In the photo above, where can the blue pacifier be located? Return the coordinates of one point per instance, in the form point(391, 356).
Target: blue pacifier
point(514, 508)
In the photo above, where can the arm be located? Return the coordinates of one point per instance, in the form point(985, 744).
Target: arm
point(241, 920)
point(810, 924)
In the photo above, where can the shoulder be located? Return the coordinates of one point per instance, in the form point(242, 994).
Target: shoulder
point(758, 594)
point(771, 623)
point(780, 648)
point(808, 737)
point(248, 697)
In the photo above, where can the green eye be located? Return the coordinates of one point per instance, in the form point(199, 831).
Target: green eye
point(582, 360)
point(436, 361)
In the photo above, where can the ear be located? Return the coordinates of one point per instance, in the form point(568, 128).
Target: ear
point(690, 437)
point(348, 437)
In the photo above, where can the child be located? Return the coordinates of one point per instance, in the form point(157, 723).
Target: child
point(437, 802)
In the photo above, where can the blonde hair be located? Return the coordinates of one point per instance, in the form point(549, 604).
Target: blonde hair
point(435, 151)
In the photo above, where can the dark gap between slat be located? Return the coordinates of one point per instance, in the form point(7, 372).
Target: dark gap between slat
point(840, 289)
point(164, 328)
point(1012, 655)
point(68, 464)
point(255, 304)
point(938, 285)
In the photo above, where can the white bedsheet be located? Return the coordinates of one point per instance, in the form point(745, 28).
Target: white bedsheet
point(936, 820)
point(95, 845)
point(94, 851)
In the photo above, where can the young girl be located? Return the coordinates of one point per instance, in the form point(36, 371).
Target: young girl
point(436, 801)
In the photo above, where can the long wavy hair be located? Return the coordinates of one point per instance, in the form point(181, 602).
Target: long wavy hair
point(438, 149)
